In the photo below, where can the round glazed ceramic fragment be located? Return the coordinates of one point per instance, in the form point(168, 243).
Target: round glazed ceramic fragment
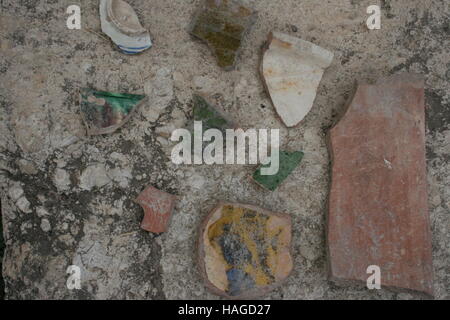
point(244, 251)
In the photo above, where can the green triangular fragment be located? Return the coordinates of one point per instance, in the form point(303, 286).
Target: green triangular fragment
point(288, 162)
point(104, 112)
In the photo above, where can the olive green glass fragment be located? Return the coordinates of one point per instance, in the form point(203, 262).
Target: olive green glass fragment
point(288, 162)
point(105, 112)
point(222, 24)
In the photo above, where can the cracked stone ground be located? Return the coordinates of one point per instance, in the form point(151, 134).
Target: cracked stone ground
point(51, 219)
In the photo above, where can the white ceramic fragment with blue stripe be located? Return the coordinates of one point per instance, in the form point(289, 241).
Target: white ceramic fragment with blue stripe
point(120, 22)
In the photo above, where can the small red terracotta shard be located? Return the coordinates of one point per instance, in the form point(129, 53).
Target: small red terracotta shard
point(158, 207)
point(378, 212)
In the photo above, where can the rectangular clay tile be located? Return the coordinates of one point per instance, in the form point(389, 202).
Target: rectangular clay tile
point(378, 212)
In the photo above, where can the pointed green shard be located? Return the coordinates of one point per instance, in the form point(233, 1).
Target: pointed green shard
point(288, 162)
point(210, 117)
point(105, 112)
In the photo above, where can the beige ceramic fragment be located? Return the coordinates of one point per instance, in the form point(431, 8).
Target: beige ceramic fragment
point(120, 22)
point(124, 18)
point(292, 69)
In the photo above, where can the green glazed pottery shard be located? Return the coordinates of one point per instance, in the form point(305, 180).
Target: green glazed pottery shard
point(209, 116)
point(104, 112)
point(288, 162)
point(222, 24)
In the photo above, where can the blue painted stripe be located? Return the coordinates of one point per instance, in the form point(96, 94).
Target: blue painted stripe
point(130, 52)
point(134, 48)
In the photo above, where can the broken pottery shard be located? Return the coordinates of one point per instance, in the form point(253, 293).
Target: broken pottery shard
point(222, 24)
point(292, 69)
point(288, 161)
point(120, 22)
point(244, 251)
point(105, 112)
point(378, 213)
point(209, 116)
point(158, 206)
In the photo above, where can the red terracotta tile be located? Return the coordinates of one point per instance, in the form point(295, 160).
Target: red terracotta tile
point(378, 212)
point(158, 207)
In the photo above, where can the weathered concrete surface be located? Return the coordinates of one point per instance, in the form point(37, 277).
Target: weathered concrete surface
point(42, 63)
point(378, 204)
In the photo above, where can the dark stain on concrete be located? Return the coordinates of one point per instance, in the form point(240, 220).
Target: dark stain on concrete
point(437, 112)
point(2, 250)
